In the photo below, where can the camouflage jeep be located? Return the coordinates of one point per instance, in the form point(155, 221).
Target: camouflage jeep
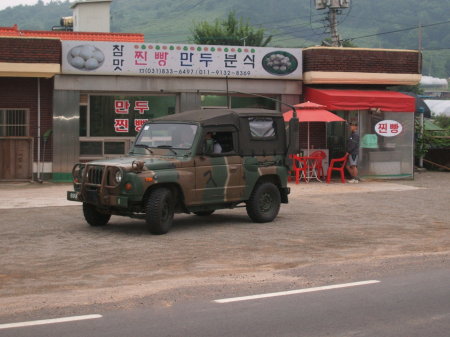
point(192, 162)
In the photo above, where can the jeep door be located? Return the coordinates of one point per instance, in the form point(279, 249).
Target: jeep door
point(219, 176)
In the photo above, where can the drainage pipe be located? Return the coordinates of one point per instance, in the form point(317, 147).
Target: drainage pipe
point(39, 128)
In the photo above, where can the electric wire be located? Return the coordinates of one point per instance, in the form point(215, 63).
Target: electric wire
point(397, 30)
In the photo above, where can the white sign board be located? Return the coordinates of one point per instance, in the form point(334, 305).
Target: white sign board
point(388, 128)
point(151, 59)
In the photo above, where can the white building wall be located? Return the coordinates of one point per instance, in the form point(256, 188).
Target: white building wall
point(92, 16)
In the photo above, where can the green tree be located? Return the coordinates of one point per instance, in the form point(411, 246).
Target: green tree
point(231, 31)
point(345, 43)
point(408, 88)
point(443, 121)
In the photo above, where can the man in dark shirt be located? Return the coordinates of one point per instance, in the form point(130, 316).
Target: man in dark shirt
point(353, 151)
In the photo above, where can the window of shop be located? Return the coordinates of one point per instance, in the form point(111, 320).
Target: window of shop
point(109, 124)
point(14, 123)
point(220, 101)
point(386, 143)
point(253, 102)
point(214, 101)
point(123, 116)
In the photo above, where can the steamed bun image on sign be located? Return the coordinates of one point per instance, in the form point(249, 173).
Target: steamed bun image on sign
point(85, 57)
point(147, 59)
point(279, 63)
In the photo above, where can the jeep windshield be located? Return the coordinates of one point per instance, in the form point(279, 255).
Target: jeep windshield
point(166, 136)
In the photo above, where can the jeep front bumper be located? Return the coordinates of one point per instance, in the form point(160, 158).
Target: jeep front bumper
point(93, 197)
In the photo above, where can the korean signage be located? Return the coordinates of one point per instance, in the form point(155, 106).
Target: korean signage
point(388, 128)
point(122, 109)
point(125, 115)
point(149, 59)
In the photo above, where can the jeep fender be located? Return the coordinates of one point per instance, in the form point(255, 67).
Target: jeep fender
point(275, 179)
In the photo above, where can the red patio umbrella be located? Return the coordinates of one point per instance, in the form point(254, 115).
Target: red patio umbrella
point(312, 112)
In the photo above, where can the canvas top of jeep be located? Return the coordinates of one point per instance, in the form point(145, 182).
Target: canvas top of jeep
point(261, 131)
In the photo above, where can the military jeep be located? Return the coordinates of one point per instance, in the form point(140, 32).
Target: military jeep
point(191, 162)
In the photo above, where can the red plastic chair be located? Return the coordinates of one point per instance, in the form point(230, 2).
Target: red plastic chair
point(319, 162)
point(299, 167)
point(340, 167)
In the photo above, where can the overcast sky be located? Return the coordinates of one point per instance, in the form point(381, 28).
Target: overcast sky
point(12, 3)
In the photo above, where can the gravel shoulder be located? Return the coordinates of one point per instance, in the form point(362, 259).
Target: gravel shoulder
point(51, 258)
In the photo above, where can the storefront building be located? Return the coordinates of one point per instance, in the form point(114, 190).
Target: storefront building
point(352, 82)
point(102, 99)
point(27, 67)
point(29, 62)
point(87, 99)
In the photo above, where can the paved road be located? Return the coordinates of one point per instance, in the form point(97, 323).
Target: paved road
point(54, 265)
point(416, 304)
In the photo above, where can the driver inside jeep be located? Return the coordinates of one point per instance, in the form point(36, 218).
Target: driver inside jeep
point(212, 145)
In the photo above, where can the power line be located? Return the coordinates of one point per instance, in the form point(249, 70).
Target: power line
point(396, 31)
point(182, 32)
point(384, 33)
point(295, 31)
point(434, 49)
point(286, 19)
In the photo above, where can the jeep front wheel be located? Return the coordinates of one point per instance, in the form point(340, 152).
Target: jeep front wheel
point(264, 203)
point(159, 211)
point(93, 216)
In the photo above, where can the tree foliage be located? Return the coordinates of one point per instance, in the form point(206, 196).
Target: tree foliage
point(231, 31)
point(443, 121)
point(408, 88)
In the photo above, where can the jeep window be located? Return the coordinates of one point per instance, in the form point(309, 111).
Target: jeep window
point(262, 128)
point(168, 135)
point(223, 140)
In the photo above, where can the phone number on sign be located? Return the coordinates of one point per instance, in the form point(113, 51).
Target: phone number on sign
point(159, 71)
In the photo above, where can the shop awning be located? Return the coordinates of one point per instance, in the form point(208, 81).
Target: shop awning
point(340, 99)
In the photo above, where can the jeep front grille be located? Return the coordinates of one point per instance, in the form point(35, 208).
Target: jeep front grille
point(94, 174)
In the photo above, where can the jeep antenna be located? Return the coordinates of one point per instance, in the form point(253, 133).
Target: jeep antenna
point(228, 94)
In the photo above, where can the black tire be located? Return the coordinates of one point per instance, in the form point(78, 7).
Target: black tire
point(93, 216)
point(204, 213)
point(264, 203)
point(159, 211)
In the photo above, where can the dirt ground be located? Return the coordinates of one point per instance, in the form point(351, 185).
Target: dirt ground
point(50, 256)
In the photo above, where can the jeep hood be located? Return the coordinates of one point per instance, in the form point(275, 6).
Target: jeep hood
point(150, 162)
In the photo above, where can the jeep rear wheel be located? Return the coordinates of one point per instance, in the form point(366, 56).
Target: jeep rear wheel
point(264, 203)
point(93, 216)
point(159, 211)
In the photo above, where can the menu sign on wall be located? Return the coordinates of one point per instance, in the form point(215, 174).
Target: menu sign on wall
point(149, 59)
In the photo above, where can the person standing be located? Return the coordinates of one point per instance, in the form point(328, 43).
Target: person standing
point(353, 151)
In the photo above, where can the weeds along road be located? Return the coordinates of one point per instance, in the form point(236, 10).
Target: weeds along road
point(327, 233)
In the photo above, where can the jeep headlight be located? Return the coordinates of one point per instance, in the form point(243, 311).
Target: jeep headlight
point(118, 176)
point(77, 173)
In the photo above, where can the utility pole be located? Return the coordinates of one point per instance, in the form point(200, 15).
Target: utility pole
point(332, 19)
point(334, 9)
